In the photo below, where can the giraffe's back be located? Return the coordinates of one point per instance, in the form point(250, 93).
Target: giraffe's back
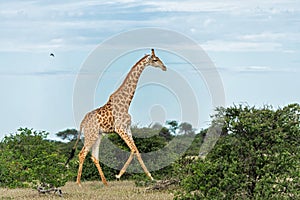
point(105, 118)
point(99, 120)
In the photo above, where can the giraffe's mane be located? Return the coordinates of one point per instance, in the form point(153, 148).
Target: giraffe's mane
point(124, 81)
point(135, 65)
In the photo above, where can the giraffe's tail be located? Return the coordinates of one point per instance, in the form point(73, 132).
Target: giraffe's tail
point(72, 153)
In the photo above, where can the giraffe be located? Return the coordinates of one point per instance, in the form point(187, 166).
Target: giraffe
point(114, 117)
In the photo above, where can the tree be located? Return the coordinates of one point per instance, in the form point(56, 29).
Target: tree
point(257, 158)
point(186, 128)
point(68, 134)
point(173, 126)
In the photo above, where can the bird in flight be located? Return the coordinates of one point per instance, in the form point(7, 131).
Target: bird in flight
point(51, 54)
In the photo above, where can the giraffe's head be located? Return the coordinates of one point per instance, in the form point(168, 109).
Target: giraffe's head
point(154, 61)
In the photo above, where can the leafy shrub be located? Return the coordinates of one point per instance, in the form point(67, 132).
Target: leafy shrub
point(27, 159)
point(257, 157)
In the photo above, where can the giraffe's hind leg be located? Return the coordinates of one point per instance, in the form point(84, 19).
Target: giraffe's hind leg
point(84, 151)
point(91, 137)
point(95, 158)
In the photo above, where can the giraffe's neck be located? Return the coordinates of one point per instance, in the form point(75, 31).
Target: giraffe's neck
point(124, 94)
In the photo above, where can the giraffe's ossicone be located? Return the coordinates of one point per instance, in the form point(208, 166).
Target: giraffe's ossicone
point(114, 117)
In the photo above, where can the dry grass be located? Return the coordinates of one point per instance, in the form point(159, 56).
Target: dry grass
point(90, 190)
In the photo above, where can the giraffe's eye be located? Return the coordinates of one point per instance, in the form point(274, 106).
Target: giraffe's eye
point(155, 60)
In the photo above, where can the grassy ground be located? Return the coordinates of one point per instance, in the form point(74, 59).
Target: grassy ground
point(90, 190)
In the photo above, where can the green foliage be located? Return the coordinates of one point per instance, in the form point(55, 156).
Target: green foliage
point(186, 128)
point(114, 151)
point(256, 157)
point(193, 150)
point(173, 126)
point(164, 132)
point(27, 159)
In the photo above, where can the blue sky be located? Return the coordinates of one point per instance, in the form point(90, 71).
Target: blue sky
point(253, 44)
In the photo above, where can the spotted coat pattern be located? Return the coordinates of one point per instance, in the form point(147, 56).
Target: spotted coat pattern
point(114, 117)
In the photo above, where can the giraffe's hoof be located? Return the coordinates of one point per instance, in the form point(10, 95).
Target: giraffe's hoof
point(78, 183)
point(105, 183)
point(149, 175)
point(118, 177)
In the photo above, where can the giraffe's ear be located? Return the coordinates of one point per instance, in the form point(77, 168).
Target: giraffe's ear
point(152, 53)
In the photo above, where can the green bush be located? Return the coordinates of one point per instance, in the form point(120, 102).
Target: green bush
point(28, 159)
point(257, 157)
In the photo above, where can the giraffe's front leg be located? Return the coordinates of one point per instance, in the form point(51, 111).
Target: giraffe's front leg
point(134, 150)
point(123, 170)
point(143, 165)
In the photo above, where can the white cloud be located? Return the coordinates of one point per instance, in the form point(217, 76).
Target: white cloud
point(188, 6)
point(34, 25)
point(261, 69)
point(231, 46)
point(263, 36)
point(255, 69)
point(68, 7)
point(271, 36)
point(233, 6)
